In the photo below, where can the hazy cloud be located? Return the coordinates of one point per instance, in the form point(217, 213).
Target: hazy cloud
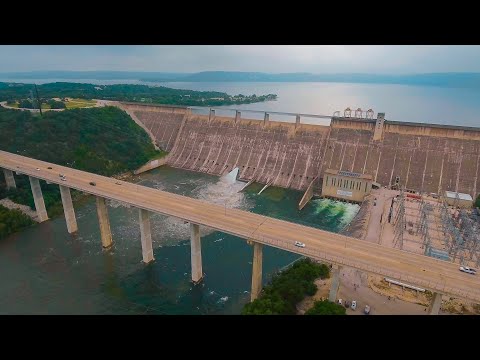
point(263, 58)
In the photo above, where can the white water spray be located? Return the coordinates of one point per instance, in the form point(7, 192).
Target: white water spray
point(224, 192)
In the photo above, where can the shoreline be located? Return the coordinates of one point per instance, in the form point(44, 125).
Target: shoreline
point(27, 210)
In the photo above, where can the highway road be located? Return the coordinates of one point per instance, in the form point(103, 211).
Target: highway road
point(416, 269)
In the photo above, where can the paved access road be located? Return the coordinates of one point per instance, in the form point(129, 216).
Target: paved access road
point(412, 268)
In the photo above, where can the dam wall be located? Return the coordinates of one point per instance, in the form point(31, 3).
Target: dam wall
point(162, 122)
point(275, 152)
point(425, 157)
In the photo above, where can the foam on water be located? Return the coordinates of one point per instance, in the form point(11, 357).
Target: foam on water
point(335, 210)
point(223, 192)
point(115, 204)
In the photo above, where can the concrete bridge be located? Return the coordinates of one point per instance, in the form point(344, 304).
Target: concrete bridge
point(438, 276)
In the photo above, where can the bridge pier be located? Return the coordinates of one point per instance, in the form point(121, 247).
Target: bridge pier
point(297, 121)
point(332, 296)
point(9, 179)
point(146, 235)
point(238, 114)
point(256, 271)
point(435, 304)
point(104, 222)
point(68, 209)
point(196, 253)
point(38, 199)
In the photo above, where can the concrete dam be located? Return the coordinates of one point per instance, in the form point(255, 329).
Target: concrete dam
point(421, 157)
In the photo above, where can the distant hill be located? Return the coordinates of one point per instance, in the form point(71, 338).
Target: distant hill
point(470, 80)
point(96, 75)
point(460, 80)
point(127, 92)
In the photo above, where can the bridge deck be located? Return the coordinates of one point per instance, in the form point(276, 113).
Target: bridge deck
point(424, 271)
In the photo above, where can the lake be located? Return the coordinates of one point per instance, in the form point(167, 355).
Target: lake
point(437, 105)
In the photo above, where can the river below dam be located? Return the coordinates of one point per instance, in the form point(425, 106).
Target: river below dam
point(48, 271)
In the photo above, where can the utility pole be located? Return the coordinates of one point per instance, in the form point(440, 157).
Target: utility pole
point(38, 100)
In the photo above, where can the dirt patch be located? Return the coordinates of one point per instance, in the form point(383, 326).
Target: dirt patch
point(449, 305)
point(380, 286)
point(323, 288)
point(459, 307)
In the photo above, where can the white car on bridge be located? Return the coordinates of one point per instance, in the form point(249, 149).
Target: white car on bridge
point(468, 270)
point(299, 244)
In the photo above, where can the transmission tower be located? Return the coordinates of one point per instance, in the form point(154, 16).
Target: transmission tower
point(38, 100)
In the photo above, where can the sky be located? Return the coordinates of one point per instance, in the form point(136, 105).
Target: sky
point(383, 59)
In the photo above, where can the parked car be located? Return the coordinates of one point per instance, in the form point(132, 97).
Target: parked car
point(347, 303)
point(38, 169)
point(299, 244)
point(339, 301)
point(92, 183)
point(354, 305)
point(367, 310)
point(468, 270)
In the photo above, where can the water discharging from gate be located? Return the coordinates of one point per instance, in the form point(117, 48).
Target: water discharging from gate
point(231, 177)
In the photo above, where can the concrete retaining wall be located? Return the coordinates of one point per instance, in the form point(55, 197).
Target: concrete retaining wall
point(153, 164)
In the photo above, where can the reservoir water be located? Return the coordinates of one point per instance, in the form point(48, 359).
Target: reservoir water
point(429, 104)
point(52, 272)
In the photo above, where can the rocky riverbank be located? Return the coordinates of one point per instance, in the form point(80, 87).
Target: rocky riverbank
point(9, 204)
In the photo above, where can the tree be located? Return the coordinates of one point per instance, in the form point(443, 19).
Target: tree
point(12, 221)
point(326, 307)
point(98, 140)
point(477, 203)
point(25, 104)
point(287, 288)
point(56, 104)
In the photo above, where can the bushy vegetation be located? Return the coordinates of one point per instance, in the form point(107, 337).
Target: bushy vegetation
point(100, 140)
point(55, 104)
point(289, 287)
point(26, 104)
point(326, 307)
point(12, 221)
point(477, 202)
point(138, 93)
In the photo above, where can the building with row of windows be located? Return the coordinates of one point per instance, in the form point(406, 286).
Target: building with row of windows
point(346, 185)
